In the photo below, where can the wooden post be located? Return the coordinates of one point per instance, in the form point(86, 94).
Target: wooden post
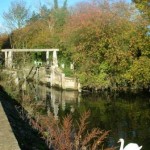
point(55, 62)
point(52, 78)
point(47, 57)
point(63, 83)
point(6, 59)
point(8, 55)
point(9, 63)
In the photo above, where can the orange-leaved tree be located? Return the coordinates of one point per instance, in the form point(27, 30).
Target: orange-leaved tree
point(100, 42)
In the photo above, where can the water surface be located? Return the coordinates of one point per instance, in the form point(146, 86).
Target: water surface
point(126, 115)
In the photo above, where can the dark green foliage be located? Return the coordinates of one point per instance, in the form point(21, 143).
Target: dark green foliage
point(60, 17)
point(65, 4)
point(144, 7)
point(4, 42)
point(55, 4)
point(34, 17)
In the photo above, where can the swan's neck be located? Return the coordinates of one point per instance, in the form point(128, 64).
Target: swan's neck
point(122, 144)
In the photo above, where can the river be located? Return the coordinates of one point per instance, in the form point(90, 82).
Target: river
point(125, 115)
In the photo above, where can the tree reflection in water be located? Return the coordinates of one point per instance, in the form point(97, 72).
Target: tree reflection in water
point(127, 116)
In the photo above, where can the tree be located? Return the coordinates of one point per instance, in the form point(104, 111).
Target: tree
point(17, 15)
point(103, 43)
point(4, 41)
point(144, 7)
point(42, 29)
point(34, 17)
point(55, 4)
point(59, 14)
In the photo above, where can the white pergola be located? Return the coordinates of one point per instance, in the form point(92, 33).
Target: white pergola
point(9, 55)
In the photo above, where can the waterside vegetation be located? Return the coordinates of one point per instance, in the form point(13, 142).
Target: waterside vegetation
point(108, 43)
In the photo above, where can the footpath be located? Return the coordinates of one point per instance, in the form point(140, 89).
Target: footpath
point(16, 133)
point(7, 138)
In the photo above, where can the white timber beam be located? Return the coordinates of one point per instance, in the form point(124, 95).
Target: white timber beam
point(8, 55)
point(29, 50)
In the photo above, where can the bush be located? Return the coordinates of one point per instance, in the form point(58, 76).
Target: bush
point(64, 136)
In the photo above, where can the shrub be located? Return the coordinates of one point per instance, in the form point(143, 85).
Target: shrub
point(64, 136)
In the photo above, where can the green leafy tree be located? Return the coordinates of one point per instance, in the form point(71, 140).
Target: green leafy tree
point(106, 42)
point(138, 75)
point(4, 41)
point(144, 7)
point(56, 4)
point(101, 44)
point(34, 17)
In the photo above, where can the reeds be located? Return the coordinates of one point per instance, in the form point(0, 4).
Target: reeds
point(64, 136)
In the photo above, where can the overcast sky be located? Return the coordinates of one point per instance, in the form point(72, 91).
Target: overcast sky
point(33, 4)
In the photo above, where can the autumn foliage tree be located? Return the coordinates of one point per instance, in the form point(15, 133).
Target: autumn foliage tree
point(144, 7)
point(103, 43)
point(104, 40)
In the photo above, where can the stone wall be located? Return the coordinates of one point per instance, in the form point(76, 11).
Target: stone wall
point(59, 79)
point(55, 79)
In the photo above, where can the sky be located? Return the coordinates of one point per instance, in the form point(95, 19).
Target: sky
point(33, 4)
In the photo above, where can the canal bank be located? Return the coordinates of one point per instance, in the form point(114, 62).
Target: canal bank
point(126, 115)
point(7, 138)
point(24, 136)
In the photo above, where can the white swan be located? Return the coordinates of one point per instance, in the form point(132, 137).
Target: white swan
point(130, 146)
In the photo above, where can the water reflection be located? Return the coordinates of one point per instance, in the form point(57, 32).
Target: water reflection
point(126, 116)
point(51, 99)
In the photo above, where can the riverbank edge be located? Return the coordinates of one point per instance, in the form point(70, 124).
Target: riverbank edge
point(7, 135)
point(27, 137)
